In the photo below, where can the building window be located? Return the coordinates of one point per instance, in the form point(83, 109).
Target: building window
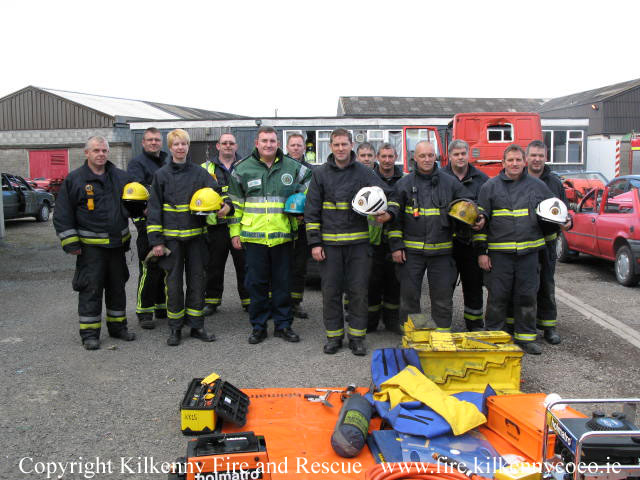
point(574, 146)
point(500, 133)
point(564, 146)
point(395, 139)
point(322, 145)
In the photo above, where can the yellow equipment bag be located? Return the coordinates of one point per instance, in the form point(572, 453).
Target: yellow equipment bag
point(411, 385)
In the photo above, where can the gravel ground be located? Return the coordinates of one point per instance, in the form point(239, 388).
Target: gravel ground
point(61, 402)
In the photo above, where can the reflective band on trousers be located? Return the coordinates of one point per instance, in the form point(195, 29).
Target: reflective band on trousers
point(517, 245)
point(335, 333)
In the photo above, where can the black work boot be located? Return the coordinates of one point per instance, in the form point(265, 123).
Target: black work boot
point(174, 337)
point(552, 336)
point(91, 343)
point(209, 309)
point(123, 334)
point(201, 334)
point(332, 346)
point(286, 334)
point(357, 346)
point(474, 325)
point(146, 321)
point(257, 336)
point(532, 348)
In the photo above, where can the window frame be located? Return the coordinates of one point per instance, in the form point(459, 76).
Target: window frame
point(501, 130)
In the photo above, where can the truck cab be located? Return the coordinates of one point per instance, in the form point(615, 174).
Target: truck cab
point(487, 133)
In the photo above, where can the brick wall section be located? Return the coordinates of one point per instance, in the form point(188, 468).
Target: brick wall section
point(15, 146)
point(15, 161)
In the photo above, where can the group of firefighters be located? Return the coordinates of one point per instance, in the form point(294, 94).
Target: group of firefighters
point(374, 232)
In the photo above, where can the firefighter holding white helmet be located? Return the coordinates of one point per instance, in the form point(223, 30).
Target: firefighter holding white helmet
point(182, 195)
point(338, 235)
point(553, 211)
point(509, 248)
point(420, 236)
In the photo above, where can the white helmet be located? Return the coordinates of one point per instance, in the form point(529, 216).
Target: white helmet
point(553, 210)
point(369, 201)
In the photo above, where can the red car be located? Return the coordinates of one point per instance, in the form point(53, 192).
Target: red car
point(606, 226)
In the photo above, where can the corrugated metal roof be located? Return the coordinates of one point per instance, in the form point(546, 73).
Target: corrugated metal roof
point(139, 109)
point(589, 96)
point(120, 107)
point(189, 113)
point(432, 106)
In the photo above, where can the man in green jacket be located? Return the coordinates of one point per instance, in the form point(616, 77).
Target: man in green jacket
point(260, 185)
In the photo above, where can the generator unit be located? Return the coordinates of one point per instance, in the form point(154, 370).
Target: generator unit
point(599, 446)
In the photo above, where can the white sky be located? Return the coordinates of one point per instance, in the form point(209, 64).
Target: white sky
point(250, 58)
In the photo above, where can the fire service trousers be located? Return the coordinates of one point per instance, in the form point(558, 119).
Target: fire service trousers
point(269, 267)
point(151, 294)
point(187, 259)
point(441, 276)
point(384, 290)
point(101, 269)
point(345, 269)
point(219, 246)
point(547, 312)
point(471, 279)
point(513, 279)
point(301, 254)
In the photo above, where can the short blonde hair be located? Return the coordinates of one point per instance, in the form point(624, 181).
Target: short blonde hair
point(176, 134)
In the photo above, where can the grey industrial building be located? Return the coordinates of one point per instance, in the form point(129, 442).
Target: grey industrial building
point(45, 130)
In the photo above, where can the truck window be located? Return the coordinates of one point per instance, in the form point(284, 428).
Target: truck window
point(500, 133)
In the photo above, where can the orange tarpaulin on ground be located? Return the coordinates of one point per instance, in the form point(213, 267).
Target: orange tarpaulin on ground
point(298, 435)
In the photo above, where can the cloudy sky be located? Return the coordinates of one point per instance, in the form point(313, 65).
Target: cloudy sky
point(298, 57)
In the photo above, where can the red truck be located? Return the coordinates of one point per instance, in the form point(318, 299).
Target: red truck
point(606, 225)
point(487, 133)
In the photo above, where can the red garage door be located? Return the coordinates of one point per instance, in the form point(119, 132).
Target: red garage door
point(48, 163)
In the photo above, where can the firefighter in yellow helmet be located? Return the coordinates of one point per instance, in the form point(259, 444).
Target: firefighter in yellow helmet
point(182, 194)
point(151, 297)
point(464, 254)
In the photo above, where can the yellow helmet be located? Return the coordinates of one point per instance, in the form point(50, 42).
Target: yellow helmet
point(464, 210)
point(135, 191)
point(205, 201)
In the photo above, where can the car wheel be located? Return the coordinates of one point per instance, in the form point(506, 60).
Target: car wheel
point(564, 254)
point(43, 213)
point(624, 266)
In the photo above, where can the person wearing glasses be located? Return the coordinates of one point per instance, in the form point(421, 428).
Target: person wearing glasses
point(218, 239)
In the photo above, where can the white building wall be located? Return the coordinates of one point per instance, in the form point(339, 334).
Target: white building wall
point(601, 155)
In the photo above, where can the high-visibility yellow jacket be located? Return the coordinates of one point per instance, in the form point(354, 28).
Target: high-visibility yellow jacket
point(259, 194)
